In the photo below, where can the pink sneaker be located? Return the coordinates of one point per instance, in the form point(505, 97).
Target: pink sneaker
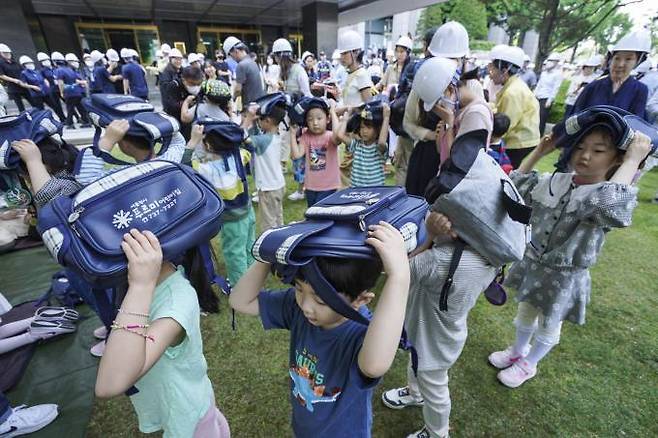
point(504, 359)
point(100, 332)
point(517, 374)
point(98, 349)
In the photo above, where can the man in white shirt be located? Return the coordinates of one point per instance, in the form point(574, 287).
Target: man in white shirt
point(547, 88)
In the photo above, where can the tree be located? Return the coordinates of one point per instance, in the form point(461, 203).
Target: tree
point(472, 14)
point(613, 28)
point(561, 24)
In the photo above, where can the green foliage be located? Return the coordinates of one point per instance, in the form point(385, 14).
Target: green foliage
point(557, 109)
point(612, 28)
point(470, 13)
point(482, 45)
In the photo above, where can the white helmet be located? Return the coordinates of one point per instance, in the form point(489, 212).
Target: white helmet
point(230, 43)
point(133, 53)
point(281, 45)
point(450, 41)
point(349, 40)
point(175, 53)
point(335, 55)
point(71, 57)
point(405, 41)
point(25, 60)
point(306, 55)
point(4, 48)
point(644, 67)
point(166, 48)
point(159, 53)
point(526, 58)
point(112, 55)
point(503, 52)
point(432, 79)
point(57, 56)
point(96, 56)
point(639, 41)
point(192, 57)
point(42, 57)
point(125, 53)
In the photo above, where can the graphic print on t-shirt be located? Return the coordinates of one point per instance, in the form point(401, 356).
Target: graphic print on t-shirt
point(309, 386)
point(318, 158)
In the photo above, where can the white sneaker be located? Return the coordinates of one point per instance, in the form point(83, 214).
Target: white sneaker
point(517, 374)
point(98, 349)
point(24, 420)
point(422, 433)
point(100, 333)
point(296, 196)
point(506, 358)
point(400, 398)
point(254, 199)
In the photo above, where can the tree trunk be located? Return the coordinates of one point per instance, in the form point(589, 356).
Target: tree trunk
point(548, 25)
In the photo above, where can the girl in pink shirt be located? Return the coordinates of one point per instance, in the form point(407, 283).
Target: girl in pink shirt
point(320, 147)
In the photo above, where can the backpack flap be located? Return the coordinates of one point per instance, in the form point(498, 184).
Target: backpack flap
point(84, 231)
point(276, 245)
point(45, 125)
point(156, 127)
point(12, 128)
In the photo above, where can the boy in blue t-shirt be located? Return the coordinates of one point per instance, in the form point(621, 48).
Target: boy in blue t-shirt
point(334, 362)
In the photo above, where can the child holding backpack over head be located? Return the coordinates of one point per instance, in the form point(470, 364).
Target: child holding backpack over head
point(224, 167)
point(156, 344)
point(264, 138)
point(369, 144)
point(319, 147)
point(571, 213)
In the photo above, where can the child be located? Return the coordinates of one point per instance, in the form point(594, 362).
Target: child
point(497, 145)
point(571, 212)
point(334, 362)
point(369, 147)
point(49, 167)
point(92, 167)
point(266, 143)
point(224, 168)
point(156, 345)
point(318, 147)
point(216, 103)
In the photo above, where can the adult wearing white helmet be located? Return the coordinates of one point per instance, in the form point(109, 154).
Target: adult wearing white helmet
point(440, 340)
point(106, 72)
point(193, 60)
point(10, 75)
point(112, 55)
point(547, 88)
point(134, 76)
point(171, 73)
point(293, 77)
point(516, 101)
point(166, 49)
point(618, 88)
point(403, 143)
point(357, 89)
point(52, 96)
point(527, 74)
point(649, 77)
point(37, 86)
point(579, 82)
point(72, 89)
point(248, 85)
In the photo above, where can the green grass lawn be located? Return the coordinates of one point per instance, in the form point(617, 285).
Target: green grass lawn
point(602, 380)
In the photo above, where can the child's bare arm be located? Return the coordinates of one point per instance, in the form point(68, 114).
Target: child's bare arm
point(383, 335)
point(340, 129)
point(31, 156)
point(545, 147)
point(196, 137)
point(113, 134)
point(244, 297)
point(383, 132)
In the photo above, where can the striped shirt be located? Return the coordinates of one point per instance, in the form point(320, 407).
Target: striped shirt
point(61, 183)
point(368, 164)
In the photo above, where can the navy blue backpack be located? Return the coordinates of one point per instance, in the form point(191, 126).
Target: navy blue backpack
point(84, 231)
point(144, 121)
point(337, 227)
point(33, 124)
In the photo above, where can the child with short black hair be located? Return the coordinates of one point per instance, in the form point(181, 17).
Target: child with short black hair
point(368, 144)
point(266, 143)
point(497, 145)
point(224, 166)
point(335, 362)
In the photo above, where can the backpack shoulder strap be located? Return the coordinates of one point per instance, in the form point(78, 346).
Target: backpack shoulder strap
point(454, 263)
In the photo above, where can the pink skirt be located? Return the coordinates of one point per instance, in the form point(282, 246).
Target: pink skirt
point(212, 425)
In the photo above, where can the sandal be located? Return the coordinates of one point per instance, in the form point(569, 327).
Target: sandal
point(48, 329)
point(52, 313)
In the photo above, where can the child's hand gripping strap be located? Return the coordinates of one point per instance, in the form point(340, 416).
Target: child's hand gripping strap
point(150, 125)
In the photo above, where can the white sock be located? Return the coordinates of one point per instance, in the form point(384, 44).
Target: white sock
point(523, 336)
point(537, 352)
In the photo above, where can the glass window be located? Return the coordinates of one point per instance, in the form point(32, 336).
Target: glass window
point(92, 39)
point(148, 43)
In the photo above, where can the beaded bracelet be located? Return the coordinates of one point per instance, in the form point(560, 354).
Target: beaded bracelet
point(127, 312)
point(130, 329)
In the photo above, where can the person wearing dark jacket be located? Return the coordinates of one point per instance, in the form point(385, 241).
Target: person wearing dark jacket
point(174, 92)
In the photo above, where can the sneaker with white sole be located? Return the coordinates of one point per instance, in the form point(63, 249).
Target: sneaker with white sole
point(506, 358)
point(422, 433)
point(517, 374)
point(98, 349)
point(296, 196)
point(254, 199)
point(48, 329)
point(100, 333)
point(24, 420)
point(400, 398)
